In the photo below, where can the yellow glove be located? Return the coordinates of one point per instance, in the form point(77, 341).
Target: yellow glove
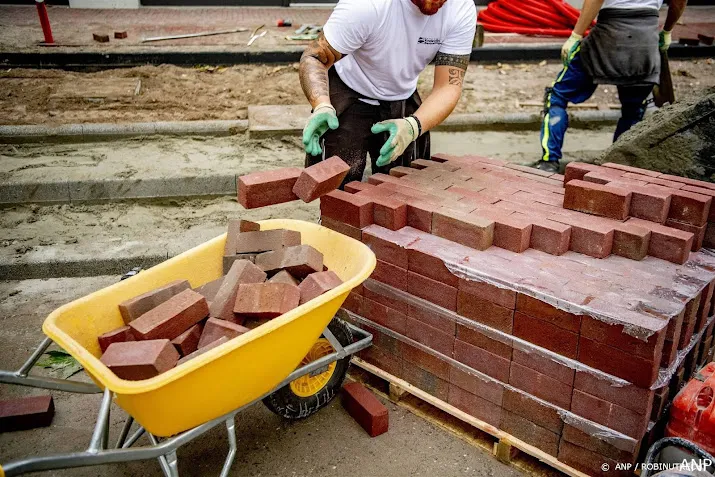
point(664, 40)
point(567, 51)
point(402, 133)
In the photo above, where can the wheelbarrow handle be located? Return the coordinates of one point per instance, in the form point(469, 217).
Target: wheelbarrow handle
point(659, 445)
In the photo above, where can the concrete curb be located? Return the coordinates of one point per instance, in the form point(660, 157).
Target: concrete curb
point(67, 133)
point(77, 268)
point(523, 121)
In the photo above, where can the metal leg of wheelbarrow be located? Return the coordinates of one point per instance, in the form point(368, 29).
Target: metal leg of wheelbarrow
point(98, 454)
point(22, 376)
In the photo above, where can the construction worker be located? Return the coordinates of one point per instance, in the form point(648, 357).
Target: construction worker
point(622, 50)
point(361, 75)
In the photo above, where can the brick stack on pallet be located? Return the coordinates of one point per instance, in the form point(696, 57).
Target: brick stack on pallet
point(569, 331)
point(267, 273)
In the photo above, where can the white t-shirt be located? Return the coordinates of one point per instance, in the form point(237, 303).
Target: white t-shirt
point(655, 4)
point(388, 43)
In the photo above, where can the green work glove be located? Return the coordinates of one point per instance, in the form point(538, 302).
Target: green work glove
point(402, 133)
point(323, 117)
point(569, 48)
point(664, 40)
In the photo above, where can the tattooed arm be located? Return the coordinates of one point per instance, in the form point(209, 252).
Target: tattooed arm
point(317, 59)
point(448, 78)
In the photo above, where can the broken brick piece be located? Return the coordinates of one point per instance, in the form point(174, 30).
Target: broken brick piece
point(171, 318)
point(188, 341)
point(351, 209)
point(630, 241)
point(266, 300)
point(261, 189)
point(241, 272)
point(137, 306)
point(120, 35)
point(474, 232)
point(101, 38)
point(266, 240)
point(316, 284)
point(24, 413)
point(119, 335)
point(215, 329)
point(200, 351)
point(319, 179)
point(596, 199)
point(299, 261)
point(365, 408)
point(209, 289)
point(284, 277)
point(666, 243)
point(137, 360)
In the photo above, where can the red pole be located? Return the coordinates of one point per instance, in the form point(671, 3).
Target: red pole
point(44, 20)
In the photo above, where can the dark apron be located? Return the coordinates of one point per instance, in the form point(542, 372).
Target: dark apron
point(622, 49)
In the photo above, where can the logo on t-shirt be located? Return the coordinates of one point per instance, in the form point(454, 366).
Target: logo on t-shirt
point(429, 41)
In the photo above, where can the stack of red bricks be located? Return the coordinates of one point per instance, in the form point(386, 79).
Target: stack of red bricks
point(266, 274)
point(491, 296)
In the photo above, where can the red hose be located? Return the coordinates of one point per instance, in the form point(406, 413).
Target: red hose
point(530, 17)
point(504, 17)
point(523, 12)
point(526, 30)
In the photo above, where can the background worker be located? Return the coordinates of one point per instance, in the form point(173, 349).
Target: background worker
point(622, 50)
point(361, 75)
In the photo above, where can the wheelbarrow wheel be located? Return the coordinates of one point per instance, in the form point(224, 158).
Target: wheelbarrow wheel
point(308, 394)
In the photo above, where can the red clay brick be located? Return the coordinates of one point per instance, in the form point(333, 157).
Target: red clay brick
point(28, 412)
point(390, 213)
point(528, 407)
point(672, 339)
point(512, 233)
point(638, 400)
point(482, 360)
point(590, 237)
point(321, 178)
point(365, 408)
point(424, 360)
point(667, 243)
point(639, 371)
point(630, 241)
point(120, 335)
point(137, 360)
point(419, 214)
point(260, 189)
point(354, 303)
point(425, 380)
point(235, 227)
point(383, 315)
point(540, 385)
point(500, 296)
point(546, 334)
point(430, 266)
point(549, 236)
point(471, 231)
point(576, 170)
point(357, 186)
point(385, 249)
point(485, 311)
point(626, 452)
point(491, 390)
point(171, 318)
point(710, 192)
point(525, 430)
point(475, 406)
point(649, 202)
point(598, 177)
point(689, 321)
point(432, 291)
point(431, 317)
point(215, 329)
point(539, 309)
point(689, 207)
point(610, 415)
point(345, 229)
point(318, 283)
point(350, 209)
point(229, 260)
point(391, 275)
point(203, 349)
point(698, 232)
point(431, 337)
point(606, 201)
point(266, 300)
point(614, 335)
point(589, 462)
point(241, 272)
point(284, 277)
point(385, 298)
point(634, 170)
point(188, 341)
point(266, 240)
point(541, 362)
point(137, 306)
point(300, 261)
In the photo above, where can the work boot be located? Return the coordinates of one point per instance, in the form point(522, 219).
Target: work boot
point(549, 166)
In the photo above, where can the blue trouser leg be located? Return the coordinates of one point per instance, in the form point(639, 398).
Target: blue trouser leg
point(573, 85)
point(632, 106)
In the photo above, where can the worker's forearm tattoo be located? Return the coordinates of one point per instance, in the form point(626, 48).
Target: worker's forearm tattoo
point(456, 76)
point(459, 61)
point(314, 65)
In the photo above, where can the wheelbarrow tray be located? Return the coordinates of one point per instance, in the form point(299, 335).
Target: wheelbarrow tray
point(228, 376)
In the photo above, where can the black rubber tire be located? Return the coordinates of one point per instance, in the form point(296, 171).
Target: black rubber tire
point(287, 404)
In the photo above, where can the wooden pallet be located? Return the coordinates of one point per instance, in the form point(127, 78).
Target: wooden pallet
point(506, 448)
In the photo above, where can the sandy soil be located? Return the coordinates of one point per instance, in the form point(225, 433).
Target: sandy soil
point(172, 93)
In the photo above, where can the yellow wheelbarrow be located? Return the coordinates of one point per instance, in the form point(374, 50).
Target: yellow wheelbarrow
point(294, 363)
